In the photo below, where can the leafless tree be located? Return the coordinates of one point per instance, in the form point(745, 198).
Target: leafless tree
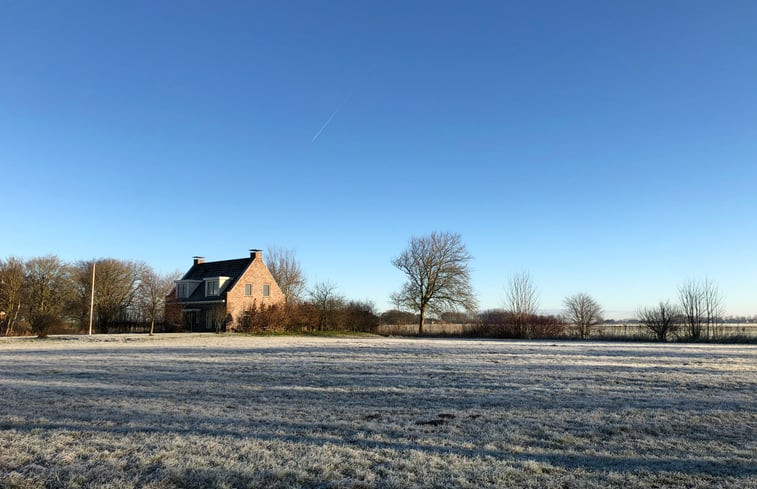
point(522, 302)
point(287, 272)
point(691, 296)
point(438, 275)
point(583, 312)
point(661, 320)
point(327, 304)
point(151, 294)
point(220, 318)
point(47, 289)
point(521, 297)
point(713, 308)
point(396, 301)
point(11, 288)
point(701, 307)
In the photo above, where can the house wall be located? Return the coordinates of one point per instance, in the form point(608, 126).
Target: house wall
point(258, 275)
point(206, 316)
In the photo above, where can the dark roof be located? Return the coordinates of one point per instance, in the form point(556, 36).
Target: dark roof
point(225, 268)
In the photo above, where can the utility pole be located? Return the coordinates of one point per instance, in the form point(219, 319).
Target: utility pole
point(92, 299)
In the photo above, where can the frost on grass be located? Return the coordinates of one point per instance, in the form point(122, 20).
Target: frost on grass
point(234, 411)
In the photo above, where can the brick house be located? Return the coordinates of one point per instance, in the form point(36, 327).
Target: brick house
point(214, 295)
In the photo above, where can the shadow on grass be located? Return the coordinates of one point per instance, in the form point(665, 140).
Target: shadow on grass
point(303, 433)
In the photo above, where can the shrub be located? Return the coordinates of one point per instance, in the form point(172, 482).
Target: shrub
point(358, 316)
point(278, 318)
point(504, 324)
point(45, 323)
point(305, 316)
point(395, 316)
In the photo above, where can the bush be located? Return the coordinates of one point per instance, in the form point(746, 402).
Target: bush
point(278, 318)
point(395, 316)
point(358, 316)
point(457, 317)
point(45, 323)
point(304, 316)
point(503, 324)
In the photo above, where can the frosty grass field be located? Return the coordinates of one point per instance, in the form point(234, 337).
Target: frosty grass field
point(237, 411)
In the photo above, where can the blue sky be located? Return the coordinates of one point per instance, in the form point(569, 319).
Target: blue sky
point(605, 147)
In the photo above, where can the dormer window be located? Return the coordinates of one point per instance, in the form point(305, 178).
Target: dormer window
point(211, 288)
point(183, 291)
point(185, 288)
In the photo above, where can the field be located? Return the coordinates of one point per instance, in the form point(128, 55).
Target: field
point(203, 411)
point(619, 331)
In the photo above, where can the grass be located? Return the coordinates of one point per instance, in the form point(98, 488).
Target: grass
point(323, 334)
point(304, 411)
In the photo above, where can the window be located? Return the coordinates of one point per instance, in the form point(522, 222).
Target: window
point(247, 289)
point(266, 290)
point(182, 291)
point(211, 288)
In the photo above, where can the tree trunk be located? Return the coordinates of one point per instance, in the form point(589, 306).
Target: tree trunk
point(420, 323)
point(152, 326)
point(12, 318)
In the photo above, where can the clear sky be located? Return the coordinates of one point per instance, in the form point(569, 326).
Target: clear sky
point(605, 147)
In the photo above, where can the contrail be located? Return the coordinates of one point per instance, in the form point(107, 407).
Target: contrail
point(328, 121)
point(324, 126)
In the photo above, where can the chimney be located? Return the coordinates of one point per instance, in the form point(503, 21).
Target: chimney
point(198, 259)
point(256, 254)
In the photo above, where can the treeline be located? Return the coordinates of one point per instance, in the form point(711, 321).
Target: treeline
point(353, 316)
point(437, 271)
point(43, 295)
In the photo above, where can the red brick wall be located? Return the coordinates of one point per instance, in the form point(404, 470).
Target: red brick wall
point(258, 275)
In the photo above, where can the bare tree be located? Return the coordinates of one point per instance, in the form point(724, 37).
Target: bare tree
point(220, 319)
point(583, 312)
point(11, 288)
point(396, 301)
point(713, 308)
point(438, 275)
point(522, 302)
point(661, 320)
point(701, 307)
point(287, 272)
point(691, 296)
point(47, 289)
point(521, 297)
point(152, 292)
point(327, 303)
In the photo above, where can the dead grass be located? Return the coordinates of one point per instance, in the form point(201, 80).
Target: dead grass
point(237, 411)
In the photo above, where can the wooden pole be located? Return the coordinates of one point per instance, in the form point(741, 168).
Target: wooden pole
point(92, 299)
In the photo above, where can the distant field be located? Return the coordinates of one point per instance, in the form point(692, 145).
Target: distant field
point(617, 330)
point(203, 411)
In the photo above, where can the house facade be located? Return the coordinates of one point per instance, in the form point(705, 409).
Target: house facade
point(213, 296)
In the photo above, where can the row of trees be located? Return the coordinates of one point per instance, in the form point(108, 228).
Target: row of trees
point(46, 293)
point(437, 268)
point(697, 315)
